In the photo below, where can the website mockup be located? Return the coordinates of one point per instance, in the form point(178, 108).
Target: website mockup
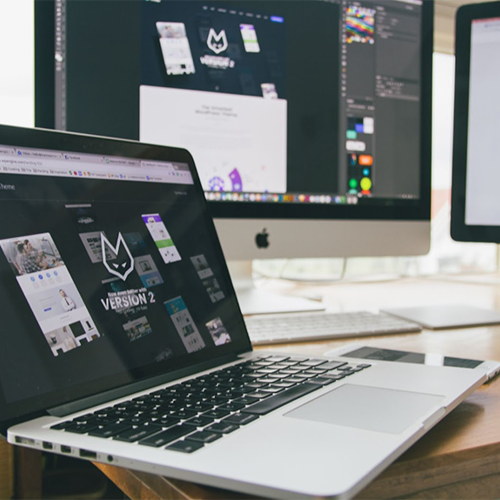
point(223, 79)
point(103, 271)
point(482, 204)
point(279, 102)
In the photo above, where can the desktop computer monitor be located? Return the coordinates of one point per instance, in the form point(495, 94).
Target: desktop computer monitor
point(309, 121)
point(476, 166)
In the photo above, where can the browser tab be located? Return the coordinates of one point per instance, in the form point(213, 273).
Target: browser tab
point(35, 153)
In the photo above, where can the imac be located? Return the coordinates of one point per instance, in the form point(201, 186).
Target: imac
point(309, 121)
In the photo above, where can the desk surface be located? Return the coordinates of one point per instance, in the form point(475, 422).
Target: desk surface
point(458, 458)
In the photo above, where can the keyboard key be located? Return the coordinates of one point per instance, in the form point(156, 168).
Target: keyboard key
point(205, 436)
point(81, 428)
point(246, 400)
point(136, 434)
point(185, 446)
point(259, 394)
point(321, 381)
point(110, 430)
point(281, 399)
point(331, 365)
point(313, 362)
point(183, 414)
point(282, 385)
point(222, 427)
point(232, 407)
point(216, 413)
point(276, 359)
point(240, 419)
point(200, 421)
point(165, 437)
point(62, 425)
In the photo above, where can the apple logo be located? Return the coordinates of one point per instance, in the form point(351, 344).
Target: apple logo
point(262, 239)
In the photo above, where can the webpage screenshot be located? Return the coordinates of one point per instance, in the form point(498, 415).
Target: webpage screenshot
point(308, 102)
point(100, 277)
point(482, 205)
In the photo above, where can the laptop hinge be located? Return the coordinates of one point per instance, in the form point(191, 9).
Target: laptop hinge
point(104, 397)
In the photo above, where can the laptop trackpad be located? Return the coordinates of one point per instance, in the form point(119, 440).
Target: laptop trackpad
point(370, 408)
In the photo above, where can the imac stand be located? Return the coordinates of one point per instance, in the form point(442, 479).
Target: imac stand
point(253, 300)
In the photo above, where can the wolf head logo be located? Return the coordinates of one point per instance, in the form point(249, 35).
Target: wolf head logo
point(217, 42)
point(124, 266)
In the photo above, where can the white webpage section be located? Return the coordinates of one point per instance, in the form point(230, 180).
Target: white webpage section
point(53, 298)
point(482, 206)
point(238, 142)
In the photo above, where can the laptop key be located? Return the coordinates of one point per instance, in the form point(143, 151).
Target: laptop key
point(223, 427)
point(232, 406)
point(321, 381)
point(81, 428)
point(183, 414)
point(62, 425)
point(246, 400)
point(165, 437)
point(133, 435)
point(110, 430)
point(165, 422)
point(332, 365)
point(240, 419)
point(200, 421)
point(260, 395)
point(281, 399)
point(216, 413)
point(185, 446)
point(205, 436)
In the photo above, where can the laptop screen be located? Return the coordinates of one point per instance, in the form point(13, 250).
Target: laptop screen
point(111, 269)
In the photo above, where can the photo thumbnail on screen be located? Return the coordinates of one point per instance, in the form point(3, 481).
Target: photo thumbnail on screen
point(50, 291)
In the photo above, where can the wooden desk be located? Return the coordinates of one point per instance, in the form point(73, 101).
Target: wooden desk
point(458, 458)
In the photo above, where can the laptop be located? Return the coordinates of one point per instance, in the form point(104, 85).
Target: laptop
point(122, 341)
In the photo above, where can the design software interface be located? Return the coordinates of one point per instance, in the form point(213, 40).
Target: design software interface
point(107, 266)
point(278, 101)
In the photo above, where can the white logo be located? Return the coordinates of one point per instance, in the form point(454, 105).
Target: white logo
point(128, 265)
point(217, 42)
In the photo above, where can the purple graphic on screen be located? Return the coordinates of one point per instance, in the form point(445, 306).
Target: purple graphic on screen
point(151, 218)
point(216, 184)
point(236, 180)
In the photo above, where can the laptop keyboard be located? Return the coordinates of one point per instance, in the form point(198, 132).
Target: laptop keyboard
point(187, 416)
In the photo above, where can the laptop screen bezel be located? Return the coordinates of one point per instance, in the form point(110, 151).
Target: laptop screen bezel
point(12, 413)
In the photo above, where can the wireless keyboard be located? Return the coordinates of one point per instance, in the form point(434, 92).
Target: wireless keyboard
point(321, 326)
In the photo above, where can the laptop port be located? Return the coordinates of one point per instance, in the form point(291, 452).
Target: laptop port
point(88, 454)
point(27, 441)
point(47, 446)
point(65, 449)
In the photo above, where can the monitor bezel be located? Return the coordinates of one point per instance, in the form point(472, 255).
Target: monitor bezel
point(412, 210)
point(460, 231)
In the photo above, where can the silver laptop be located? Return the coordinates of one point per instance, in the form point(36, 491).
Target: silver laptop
point(122, 340)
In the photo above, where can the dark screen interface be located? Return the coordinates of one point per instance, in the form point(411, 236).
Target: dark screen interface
point(278, 101)
point(107, 265)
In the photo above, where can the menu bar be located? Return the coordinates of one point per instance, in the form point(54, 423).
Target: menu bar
point(26, 161)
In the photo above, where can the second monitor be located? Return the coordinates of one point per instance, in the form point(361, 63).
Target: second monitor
point(309, 121)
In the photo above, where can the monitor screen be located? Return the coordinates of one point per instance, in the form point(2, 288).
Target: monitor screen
point(482, 206)
point(475, 203)
point(291, 109)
